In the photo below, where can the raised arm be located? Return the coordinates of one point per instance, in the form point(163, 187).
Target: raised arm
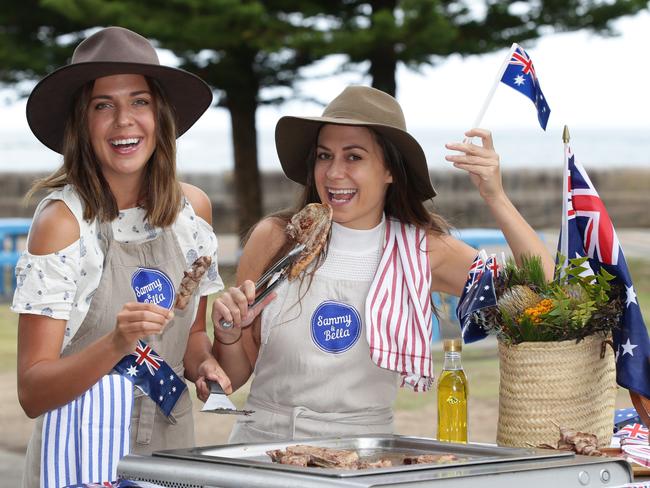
point(237, 348)
point(482, 164)
point(45, 380)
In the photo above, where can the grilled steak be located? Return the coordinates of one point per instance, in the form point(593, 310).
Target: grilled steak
point(310, 227)
point(325, 457)
point(303, 455)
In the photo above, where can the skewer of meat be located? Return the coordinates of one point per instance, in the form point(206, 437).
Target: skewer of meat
point(190, 281)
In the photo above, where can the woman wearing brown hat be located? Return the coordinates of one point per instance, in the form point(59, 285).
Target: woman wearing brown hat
point(107, 249)
point(330, 351)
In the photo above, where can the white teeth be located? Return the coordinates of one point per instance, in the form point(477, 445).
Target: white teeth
point(342, 191)
point(123, 142)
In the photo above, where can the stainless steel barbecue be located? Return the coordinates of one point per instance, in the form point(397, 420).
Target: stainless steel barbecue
point(248, 465)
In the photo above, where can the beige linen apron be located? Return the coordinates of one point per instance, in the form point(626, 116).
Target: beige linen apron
point(150, 429)
point(303, 387)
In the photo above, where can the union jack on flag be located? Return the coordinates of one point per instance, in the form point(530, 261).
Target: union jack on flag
point(144, 354)
point(520, 74)
point(475, 270)
point(588, 231)
point(162, 384)
point(633, 431)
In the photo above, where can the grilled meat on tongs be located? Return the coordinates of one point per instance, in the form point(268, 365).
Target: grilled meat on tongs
point(309, 228)
point(275, 275)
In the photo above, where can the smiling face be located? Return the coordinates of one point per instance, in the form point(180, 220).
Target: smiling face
point(121, 123)
point(350, 174)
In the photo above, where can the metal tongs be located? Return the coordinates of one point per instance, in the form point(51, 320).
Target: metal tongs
point(278, 271)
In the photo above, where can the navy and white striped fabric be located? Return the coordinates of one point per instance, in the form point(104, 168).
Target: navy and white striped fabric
point(84, 440)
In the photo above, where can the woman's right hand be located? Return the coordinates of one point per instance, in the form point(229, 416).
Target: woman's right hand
point(137, 320)
point(233, 306)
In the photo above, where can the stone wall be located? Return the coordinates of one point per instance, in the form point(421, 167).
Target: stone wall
point(537, 194)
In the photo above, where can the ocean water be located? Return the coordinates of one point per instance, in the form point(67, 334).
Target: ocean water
point(209, 150)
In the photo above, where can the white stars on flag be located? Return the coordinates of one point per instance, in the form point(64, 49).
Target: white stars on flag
point(519, 80)
point(132, 371)
point(631, 296)
point(628, 348)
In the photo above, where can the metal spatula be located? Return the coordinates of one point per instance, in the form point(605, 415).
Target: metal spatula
point(218, 402)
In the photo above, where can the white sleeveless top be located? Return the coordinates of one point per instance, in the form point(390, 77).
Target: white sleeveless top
point(314, 375)
point(62, 284)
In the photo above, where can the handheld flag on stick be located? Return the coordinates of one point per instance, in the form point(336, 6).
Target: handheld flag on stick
point(518, 72)
point(588, 231)
point(149, 372)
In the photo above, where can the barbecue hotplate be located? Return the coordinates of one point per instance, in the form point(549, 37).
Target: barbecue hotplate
point(369, 448)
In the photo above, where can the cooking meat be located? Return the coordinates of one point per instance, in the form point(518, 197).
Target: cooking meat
point(191, 280)
point(310, 227)
point(326, 457)
point(379, 463)
point(303, 455)
point(430, 459)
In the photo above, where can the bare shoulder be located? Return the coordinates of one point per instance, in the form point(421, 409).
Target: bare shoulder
point(199, 200)
point(446, 250)
point(265, 241)
point(54, 228)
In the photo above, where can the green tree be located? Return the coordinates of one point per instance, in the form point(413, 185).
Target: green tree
point(419, 32)
point(239, 47)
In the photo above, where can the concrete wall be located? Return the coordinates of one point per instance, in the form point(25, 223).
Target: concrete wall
point(537, 194)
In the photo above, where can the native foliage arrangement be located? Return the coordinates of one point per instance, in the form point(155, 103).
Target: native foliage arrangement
point(575, 305)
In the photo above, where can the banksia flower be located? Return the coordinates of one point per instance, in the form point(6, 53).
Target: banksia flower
point(515, 300)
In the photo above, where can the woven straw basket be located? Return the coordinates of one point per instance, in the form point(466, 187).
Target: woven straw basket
point(547, 385)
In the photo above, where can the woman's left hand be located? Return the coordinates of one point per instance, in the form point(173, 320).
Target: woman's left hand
point(210, 370)
point(481, 162)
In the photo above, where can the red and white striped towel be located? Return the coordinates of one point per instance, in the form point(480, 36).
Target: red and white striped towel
point(398, 307)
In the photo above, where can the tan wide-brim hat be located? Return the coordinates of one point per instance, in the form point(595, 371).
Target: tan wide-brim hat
point(111, 51)
point(359, 106)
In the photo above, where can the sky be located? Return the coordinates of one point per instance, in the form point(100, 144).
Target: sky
point(590, 82)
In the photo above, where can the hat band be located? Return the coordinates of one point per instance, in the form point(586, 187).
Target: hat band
point(363, 118)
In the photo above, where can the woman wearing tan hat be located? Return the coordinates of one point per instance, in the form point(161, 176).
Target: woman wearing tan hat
point(330, 351)
point(107, 249)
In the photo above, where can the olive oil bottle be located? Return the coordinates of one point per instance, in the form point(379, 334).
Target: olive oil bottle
point(452, 395)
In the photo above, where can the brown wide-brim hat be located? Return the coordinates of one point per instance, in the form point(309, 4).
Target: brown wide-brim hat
point(360, 106)
point(111, 51)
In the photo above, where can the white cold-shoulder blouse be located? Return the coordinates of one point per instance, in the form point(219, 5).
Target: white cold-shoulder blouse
point(61, 285)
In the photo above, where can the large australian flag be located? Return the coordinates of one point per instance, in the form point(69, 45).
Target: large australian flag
point(588, 231)
point(520, 75)
point(149, 372)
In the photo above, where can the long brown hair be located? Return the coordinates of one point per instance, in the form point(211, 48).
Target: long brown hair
point(160, 193)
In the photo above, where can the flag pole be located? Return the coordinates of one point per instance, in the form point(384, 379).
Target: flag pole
point(490, 95)
point(564, 238)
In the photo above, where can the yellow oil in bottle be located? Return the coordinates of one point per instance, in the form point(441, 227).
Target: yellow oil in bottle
point(452, 396)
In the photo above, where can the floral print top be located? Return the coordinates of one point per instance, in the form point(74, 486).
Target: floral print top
point(61, 285)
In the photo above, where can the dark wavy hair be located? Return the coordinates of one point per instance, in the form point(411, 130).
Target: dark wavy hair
point(160, 193)
point(402, 197)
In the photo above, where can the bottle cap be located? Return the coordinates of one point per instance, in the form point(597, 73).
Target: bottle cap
point(452, 345)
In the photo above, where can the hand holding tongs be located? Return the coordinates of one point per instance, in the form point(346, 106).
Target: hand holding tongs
point(280, 269)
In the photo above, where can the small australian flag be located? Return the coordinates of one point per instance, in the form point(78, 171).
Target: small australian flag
point(520, 74)
point(149, 372)
point(478, 294)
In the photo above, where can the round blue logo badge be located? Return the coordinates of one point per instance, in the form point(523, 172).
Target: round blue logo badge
point(153, 286)
point(335, 327)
